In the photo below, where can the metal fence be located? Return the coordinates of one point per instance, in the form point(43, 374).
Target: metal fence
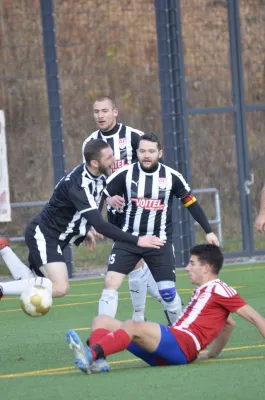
point(191, 70)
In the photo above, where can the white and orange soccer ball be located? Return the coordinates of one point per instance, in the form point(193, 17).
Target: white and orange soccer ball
point(36, 301)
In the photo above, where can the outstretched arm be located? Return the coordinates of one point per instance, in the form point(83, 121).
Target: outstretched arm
point(220, 341)
point(260, 220)
point(95, 219)
point(252, 316)
point(199, 216)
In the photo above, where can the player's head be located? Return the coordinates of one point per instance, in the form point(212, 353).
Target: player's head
point(149, 151)
point(99, 157)
point(105, 113)
point(206, 260)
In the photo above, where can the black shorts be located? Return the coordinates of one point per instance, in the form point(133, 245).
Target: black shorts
point(161, 262)
point(43, 247)
point(116, 218)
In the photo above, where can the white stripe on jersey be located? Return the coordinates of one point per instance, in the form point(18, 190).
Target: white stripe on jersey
point(128, 135)
point(41, 244)
point(94, 194)
point(195, 311)
point(152, 214)
point(82, 230)
point(116, 144)
point(179, 175)
point(70, 226)
point(128, 187)
point(116, 137)
point(140, 194)
point(224, 290)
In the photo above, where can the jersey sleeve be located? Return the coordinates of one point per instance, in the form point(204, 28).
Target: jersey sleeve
point(232, 304)
point(88, 139)
point(82, 199)
point(227, 297)
point(182, 190)
point(135, 142)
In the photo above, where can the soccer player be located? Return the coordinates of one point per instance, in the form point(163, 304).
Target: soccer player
point(260, 220)
point(148, 188)
point(204, 321)
point(67, 218)
point(124, 142)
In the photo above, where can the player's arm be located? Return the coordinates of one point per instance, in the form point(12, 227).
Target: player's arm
point(182, 190)
point(115, 184)
point(220, 341)
point(111, 231)
point(260, 220)
point(251, 315)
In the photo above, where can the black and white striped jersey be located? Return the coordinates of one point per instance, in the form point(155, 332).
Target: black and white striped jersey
point(148, 198)
point(124, 142)
point(75, 193)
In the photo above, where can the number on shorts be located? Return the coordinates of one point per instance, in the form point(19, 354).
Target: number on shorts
point(112, 258)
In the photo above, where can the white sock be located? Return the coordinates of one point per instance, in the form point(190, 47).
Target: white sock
point(17, 268)
point(152, 288)
point(138, 290)
point(16, 288)
point(173, 309)
point(108, 303)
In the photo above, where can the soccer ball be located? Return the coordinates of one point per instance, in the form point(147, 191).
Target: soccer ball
point(36, 301)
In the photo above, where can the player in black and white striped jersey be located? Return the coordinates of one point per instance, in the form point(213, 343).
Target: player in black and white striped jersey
point(67, 218)
point(148, 188)
point(124, 142)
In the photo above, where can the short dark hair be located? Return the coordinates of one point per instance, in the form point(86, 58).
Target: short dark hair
point(209, 254)
point(151, 137)
point(106, 97)
point(93, 149)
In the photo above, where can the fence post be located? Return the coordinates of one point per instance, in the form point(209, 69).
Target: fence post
point(53, 91)
point(174, 115)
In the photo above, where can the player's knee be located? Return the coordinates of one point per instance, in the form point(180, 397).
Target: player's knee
point(101, 321)
point(60, 289)
point(168, 295)
point(133, 327)
point(113, 280)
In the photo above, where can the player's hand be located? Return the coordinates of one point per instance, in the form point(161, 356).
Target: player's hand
point(212, 239)
point(116, 202)
point(90, 241)
point(96, 234)
point(260, 223)
point(150, 241)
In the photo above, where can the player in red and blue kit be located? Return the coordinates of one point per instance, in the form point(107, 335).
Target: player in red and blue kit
point(204, 321)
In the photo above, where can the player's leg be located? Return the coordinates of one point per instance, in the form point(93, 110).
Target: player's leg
point(121, 259)
point(168, 351)
point(46, 258)
point(161, 263)
point(152, 287)
point(136, 281)
point(141, 282)
point(138, 289)
point(16, 288)
point(149, 341)
point(57, 273)
point(109, 336)
point(17, 268)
